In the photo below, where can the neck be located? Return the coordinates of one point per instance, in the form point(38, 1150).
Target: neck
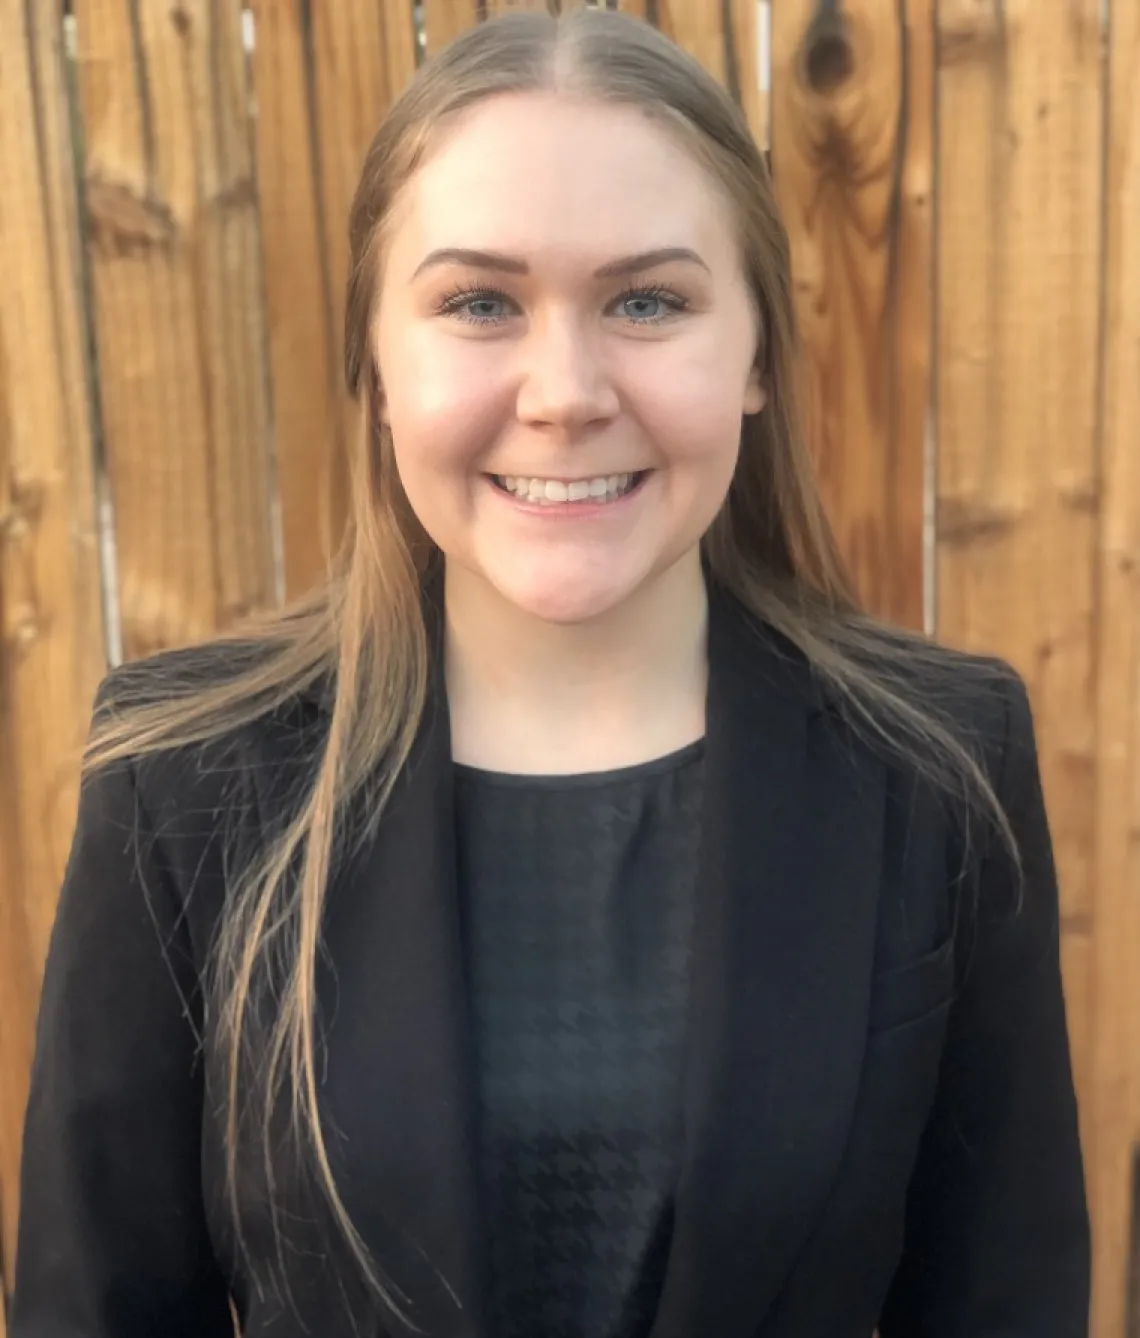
point(527, 695)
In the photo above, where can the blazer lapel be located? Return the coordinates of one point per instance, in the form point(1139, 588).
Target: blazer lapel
point(399, 1089)
point(782, 968)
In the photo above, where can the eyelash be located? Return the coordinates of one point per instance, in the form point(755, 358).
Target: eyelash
point(455, 301)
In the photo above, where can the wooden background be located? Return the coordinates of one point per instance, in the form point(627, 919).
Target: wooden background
point(961, 180)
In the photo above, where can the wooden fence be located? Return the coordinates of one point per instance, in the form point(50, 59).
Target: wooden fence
point(961, 180)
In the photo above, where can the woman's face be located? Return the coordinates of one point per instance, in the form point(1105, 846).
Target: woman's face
point(566, 346)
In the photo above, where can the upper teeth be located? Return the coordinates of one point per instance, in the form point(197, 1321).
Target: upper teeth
point(605, 488)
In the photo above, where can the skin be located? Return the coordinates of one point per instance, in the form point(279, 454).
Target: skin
point(550, 365)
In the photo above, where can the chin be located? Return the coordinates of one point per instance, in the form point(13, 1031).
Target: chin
point(566, 602)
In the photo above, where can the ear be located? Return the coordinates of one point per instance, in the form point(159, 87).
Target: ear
point(755, 391)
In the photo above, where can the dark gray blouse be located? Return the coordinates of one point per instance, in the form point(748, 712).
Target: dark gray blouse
point(578, 897)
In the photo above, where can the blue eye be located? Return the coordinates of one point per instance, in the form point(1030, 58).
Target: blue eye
point(661, 303)
point(487, 306)
point(635, 308)
point(471, 305)
point(475, 306)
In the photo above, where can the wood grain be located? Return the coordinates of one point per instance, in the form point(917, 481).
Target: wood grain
point(724, 40)
point(363, 54)
point(751, 84)
point(178, 314)
point(696, 26)
point(1020, 223)
point(308, 426)
point(1018, 278)
point(227, 258)
point(445, 19)
point(1115, 1110)
point(51, 625)
point(496, 7)
point(851, 155)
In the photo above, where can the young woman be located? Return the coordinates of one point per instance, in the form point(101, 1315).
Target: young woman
point(578, 918)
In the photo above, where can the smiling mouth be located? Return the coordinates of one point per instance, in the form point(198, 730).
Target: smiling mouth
point(558, 492)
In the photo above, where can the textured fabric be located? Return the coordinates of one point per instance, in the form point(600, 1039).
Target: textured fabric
point(578, 895)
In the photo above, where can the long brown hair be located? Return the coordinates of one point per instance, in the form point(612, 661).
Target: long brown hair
point(363, 629)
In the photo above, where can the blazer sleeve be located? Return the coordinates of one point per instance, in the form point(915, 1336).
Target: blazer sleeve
point(112, 1239)
point(997, 1233)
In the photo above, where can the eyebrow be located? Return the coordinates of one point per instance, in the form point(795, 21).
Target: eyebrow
point(495, 260)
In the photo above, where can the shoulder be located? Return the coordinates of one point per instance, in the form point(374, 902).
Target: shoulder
point(197, 742)
point(980, 701)
point(218, 681)
point(164, 677)
point(193, 807)
point(964, 762)
point(878, 682)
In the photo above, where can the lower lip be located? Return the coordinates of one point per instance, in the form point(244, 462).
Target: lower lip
point(570, 510)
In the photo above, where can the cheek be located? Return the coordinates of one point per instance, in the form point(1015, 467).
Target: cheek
point(430, 385)
point(693, 412)
point(443, 408)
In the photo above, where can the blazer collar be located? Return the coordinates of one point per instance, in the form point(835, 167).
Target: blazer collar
point(789, 879)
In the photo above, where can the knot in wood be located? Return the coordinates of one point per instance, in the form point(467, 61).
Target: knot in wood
point(123, 220)
point(827, 54)
point(26, 631)
point(27, 498)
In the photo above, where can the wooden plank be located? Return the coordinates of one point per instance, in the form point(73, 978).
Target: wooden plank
point(912, 354)
point(446, 19)
point(1116, 1099)
point(362, 54)
point(751, 84)
point(1020, 197)
point(726, 44)
point(851, 134)
point(696, 26)
point(1020, 154)
point(492, 8)
point(179, 321)
point(51, 635)
point(233, 338)
point(307, 423)
point(400, 54)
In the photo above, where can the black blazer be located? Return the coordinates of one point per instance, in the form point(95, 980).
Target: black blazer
point(879, 1112)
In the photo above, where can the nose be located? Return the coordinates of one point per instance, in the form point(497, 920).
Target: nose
point(564, 383)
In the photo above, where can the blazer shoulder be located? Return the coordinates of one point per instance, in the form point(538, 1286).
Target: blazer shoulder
point(981, 700)
point(163, 676)
point(252, 759)
point(977, 698)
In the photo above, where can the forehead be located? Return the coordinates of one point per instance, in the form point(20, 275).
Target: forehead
point(545, 173)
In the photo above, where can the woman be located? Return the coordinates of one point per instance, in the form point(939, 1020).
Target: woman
point(578, 918)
